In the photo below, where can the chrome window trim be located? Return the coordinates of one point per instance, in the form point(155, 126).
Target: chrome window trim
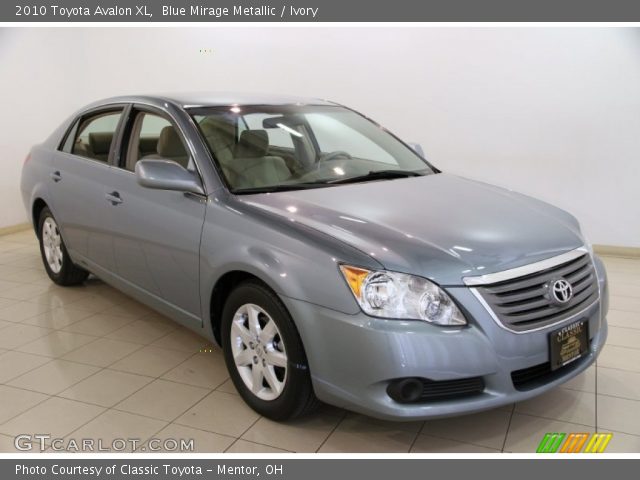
point(486, 306)
point(491, 278)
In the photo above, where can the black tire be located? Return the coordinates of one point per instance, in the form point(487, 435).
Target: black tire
point(297, 397)
point(69, 274)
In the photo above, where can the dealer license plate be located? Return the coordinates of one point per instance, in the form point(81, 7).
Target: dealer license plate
point(567, 344)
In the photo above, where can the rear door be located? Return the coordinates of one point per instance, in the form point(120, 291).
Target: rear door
point(156, 233)
point(80, 169)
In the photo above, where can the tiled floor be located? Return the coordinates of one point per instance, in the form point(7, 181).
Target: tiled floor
point(88, 362)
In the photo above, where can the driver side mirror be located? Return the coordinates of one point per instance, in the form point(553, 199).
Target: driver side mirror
point(162, 174)
point(417, 148)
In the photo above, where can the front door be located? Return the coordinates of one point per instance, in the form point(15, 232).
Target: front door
point(156, 233)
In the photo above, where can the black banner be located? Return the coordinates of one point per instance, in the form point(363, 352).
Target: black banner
point(319, 11)
point(314, 469)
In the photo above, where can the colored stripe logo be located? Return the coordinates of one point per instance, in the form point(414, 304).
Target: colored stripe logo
point(574, 442)
point(598, 442)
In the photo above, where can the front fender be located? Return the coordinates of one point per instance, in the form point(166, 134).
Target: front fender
point(292, 260)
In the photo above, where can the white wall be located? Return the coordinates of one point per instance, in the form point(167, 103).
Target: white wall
point(552, 112)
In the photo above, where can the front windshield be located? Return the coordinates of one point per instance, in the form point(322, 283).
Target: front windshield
point(290, 147)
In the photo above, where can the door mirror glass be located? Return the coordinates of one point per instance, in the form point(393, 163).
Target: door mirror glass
point(163, 174)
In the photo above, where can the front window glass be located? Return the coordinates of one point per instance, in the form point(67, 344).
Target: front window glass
point(155, 137)
point(272, 148)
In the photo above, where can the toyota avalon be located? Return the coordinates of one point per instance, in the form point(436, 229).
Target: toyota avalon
point(329, 259)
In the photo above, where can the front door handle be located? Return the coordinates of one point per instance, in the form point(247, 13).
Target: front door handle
point(55, 176)
point(114, 198)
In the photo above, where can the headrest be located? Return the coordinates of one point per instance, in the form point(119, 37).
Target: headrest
point(252, 143)
point(212, 126)
point(100, 142)
point(169, 143)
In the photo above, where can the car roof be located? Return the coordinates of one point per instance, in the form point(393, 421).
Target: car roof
point(210, 99)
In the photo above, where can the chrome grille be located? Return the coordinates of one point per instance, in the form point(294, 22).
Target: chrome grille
point(526, 302)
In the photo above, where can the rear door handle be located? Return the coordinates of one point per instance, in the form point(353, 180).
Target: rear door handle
point(114, 198)
point(55, 176)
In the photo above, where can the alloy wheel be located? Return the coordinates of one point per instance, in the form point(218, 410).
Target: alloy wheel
point(258, 352)
point(52, 243)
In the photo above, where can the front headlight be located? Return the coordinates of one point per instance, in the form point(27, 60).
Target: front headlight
point(398, 295)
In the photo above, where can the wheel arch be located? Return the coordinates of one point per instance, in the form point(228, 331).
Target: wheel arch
point(221, 290)
point(38, 205)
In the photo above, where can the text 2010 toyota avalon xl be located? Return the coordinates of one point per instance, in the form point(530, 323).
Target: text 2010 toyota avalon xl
point(327, 258)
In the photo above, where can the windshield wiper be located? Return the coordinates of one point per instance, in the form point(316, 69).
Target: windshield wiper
point(377, 175)
point(287, 187)
point(277, 188)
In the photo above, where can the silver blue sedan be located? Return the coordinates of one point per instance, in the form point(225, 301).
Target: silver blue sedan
point(328, 258)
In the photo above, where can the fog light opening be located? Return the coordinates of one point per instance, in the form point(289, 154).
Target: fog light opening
point(406, 390)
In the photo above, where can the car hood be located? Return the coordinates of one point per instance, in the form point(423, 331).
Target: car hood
point(441, 226)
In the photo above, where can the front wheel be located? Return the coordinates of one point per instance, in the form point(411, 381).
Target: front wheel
point(55, 257)
point(264, 354)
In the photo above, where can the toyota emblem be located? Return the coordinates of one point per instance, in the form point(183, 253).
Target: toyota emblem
point(561, 291)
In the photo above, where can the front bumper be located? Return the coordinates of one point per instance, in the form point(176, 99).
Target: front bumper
point(353, 358)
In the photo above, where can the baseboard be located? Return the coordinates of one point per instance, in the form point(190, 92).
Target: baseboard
point(21, 227)
point(613, 251)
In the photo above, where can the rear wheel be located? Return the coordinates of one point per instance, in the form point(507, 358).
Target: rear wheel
point(264, 354)
point(55, 257)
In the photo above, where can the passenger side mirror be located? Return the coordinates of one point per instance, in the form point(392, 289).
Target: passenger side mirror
point(164, 174)
point(417, 148)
